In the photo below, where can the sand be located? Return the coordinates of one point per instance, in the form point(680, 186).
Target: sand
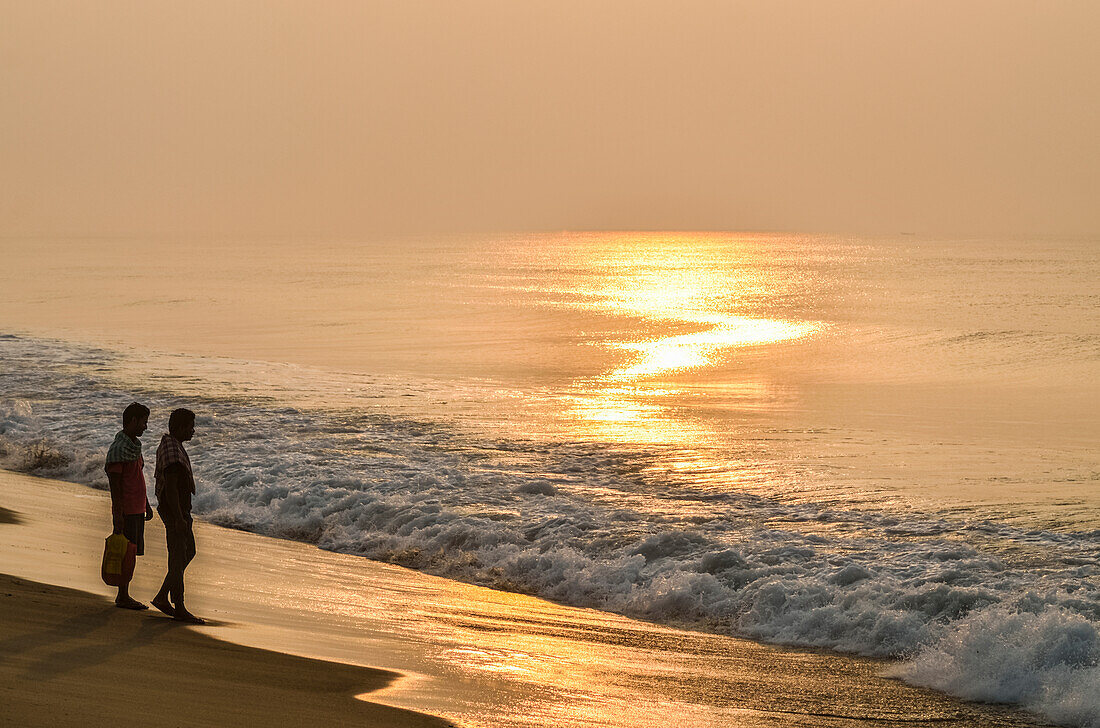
point(295, 631)
point(71, 658)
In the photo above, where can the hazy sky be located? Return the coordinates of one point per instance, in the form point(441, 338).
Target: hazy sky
point(343, 118)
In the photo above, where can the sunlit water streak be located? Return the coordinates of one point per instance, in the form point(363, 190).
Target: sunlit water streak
point(869, 446)
point(702, 349)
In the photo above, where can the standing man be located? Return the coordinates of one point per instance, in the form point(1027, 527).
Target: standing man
point(129, 500)
point(175, 484)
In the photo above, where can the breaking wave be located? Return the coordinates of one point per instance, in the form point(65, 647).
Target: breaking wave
point(976, 608)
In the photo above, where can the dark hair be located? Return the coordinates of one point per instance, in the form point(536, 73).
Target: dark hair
point(180, 417)
point(133, 412)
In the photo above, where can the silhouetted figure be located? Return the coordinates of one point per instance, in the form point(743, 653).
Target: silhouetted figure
point(129, 500)
point(175, 484)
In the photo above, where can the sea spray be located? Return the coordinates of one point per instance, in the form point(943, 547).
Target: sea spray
point(1034, 652)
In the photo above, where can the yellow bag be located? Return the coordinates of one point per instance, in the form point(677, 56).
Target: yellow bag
point(119, 556)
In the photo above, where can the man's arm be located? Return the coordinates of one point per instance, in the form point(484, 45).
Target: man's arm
point(115, 480)
point(169, 505)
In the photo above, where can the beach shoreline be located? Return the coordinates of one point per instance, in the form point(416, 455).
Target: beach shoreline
point(471, 655)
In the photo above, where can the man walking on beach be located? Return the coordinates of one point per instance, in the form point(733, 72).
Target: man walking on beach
point(175, 484)
point(129, 500)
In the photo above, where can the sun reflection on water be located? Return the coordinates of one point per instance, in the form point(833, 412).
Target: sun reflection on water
point(702, 348)
point(694, 304)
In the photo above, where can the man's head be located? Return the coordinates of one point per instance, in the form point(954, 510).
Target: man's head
point(181, 423)
point(135, 419)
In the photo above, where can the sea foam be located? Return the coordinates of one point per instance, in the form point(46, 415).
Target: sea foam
point(976, 608)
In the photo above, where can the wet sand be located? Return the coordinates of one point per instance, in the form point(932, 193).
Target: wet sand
point(476, 656)
point(72, 658)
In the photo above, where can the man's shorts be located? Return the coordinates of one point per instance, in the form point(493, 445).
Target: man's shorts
point(133, 528)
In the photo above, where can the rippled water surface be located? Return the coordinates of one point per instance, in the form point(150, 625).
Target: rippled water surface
point(879, 446)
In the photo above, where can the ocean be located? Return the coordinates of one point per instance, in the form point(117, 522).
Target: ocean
point(881, 446)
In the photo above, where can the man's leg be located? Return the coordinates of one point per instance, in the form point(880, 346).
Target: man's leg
point(160, 601)
point(186, 553)
point(171, 589)
point(133, 529)
point(190, 544)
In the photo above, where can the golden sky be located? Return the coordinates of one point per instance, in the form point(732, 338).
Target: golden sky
point(352, 117)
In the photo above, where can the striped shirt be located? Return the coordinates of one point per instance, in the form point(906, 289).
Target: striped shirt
point(170, 452)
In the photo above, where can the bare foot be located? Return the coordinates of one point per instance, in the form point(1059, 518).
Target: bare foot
point(164, 605)
point(182, 615)
point(131, 604)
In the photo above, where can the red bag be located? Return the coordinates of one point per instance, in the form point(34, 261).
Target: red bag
point(119, 556)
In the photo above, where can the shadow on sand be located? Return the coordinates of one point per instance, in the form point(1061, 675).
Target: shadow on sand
point(66, 653)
